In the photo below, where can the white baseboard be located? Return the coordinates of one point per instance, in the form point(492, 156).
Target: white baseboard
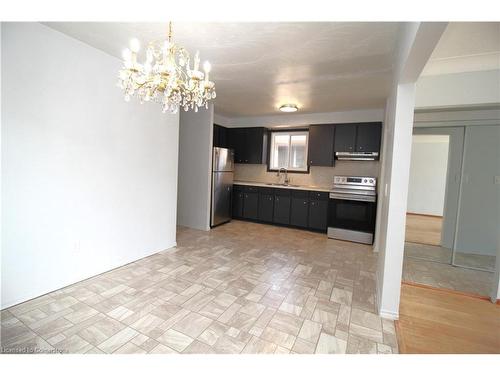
point(391, 315)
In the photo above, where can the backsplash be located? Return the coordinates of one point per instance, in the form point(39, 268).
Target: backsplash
point(317, 176)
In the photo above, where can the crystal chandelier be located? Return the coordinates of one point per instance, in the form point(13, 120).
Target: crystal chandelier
point(166, 76)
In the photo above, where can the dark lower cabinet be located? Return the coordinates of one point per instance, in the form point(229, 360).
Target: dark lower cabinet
point(237, 202)
point(281, 209)
point(318, 215)
point(266, 207)
point(299, 209)
point(251, 205)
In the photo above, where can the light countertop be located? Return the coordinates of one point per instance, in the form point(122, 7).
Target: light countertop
point(292, 186)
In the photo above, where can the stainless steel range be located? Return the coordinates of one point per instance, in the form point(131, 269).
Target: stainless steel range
point(352, 209)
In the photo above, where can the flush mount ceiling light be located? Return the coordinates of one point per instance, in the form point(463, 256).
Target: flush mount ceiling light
point(166, 76)
point(289, 108)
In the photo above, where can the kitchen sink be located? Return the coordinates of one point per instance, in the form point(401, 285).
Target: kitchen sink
point(278, 184)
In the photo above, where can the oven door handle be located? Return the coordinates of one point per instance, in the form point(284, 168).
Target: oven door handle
point(359, 198)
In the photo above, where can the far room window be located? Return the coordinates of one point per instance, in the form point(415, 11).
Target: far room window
point(289, 150)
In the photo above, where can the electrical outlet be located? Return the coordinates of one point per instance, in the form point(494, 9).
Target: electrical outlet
point(497, 180)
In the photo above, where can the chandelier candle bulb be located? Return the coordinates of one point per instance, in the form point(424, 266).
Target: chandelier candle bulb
point(197, 61)
point(149, 55)
point(135, 45)
point(206, 67)
point(126, 54)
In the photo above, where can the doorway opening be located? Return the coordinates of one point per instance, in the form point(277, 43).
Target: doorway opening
point(450, 231)
point(426, 197)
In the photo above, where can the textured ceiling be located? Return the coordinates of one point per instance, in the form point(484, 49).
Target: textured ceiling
point(322, 67)
point(466, 47)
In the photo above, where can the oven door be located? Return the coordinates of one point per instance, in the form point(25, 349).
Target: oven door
point(352, 220)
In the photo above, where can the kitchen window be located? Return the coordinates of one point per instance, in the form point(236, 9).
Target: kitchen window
point(289, 150)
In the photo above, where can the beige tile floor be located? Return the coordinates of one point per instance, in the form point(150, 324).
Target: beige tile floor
point(241, 288)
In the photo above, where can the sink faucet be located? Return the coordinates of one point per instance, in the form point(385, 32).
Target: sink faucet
point(286, 181)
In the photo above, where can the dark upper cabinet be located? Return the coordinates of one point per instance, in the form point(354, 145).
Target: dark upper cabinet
point(299, 209)
point(215, 141)
point(321, 140)
point(249, 144)
point(318, 214)
point(266, 207)
point(368, 137)
point(237, 141)
point(238, 196)
point(362, 137)
point(345, 138)
point(220, 136)
point(256, 147)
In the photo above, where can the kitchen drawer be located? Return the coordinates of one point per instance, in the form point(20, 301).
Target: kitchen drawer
point(266, 190)
point(282, 192)
point(250, 189)
point(319, 195)
point(300, 194)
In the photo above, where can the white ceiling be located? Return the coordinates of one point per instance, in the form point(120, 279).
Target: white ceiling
point(466, 47)
point(322, 67)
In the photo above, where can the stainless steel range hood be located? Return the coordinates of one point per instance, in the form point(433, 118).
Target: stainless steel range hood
point(356, 155)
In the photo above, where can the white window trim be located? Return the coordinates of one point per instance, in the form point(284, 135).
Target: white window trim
point(291, 132)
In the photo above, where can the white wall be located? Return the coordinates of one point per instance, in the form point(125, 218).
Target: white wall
point(429, 162)
point(393, 190)
point(458, 89)
point(195, 167)
point(416, 43)
point(89, 182)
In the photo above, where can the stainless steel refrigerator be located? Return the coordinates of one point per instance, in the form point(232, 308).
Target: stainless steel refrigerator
point(222, 185)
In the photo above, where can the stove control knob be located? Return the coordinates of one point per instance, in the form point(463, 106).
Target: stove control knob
point(365, 180)
point(371, 181)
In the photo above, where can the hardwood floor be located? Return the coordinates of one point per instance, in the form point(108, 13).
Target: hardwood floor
point(440, 321)
point(423, 229)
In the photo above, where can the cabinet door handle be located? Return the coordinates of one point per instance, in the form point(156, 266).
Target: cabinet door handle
point(312, 203)
point(305, 202)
